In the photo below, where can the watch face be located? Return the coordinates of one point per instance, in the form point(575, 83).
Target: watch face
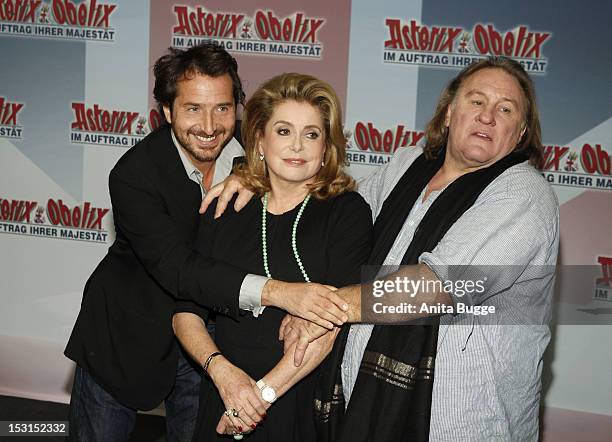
point(268, 394)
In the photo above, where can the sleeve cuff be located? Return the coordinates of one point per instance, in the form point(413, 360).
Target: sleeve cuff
point(250, 294)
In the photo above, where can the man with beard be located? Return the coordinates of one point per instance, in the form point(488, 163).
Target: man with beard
point(126, 354)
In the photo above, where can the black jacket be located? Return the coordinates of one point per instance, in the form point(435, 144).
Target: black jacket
point(123, 335)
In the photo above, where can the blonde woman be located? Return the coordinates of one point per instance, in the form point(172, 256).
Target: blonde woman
point(307, 224)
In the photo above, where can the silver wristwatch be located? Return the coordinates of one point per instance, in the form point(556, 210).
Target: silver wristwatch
point(267, 393)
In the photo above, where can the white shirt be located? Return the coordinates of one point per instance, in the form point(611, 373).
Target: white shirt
point(487, 376)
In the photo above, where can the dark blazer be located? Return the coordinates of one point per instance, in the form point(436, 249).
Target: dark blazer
point(123, 335)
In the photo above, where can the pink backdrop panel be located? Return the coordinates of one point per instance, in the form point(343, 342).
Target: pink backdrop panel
point(328, 21)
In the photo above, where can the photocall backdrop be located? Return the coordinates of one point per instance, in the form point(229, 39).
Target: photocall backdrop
point(76, 93)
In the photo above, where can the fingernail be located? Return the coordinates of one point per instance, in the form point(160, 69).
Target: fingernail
point(240, 429)
point(253, 426)
point(344, 318)
point(344, 307)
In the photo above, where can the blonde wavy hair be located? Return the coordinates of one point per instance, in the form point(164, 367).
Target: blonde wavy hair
point(331, 180)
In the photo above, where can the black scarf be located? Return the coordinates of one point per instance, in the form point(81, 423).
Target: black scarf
point(391, 400)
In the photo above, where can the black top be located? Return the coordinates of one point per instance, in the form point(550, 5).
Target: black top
point(333, 239)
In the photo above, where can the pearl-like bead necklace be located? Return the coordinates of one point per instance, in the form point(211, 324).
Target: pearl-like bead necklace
point(264, 242)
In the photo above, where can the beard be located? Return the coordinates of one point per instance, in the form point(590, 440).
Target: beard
point(186, 140)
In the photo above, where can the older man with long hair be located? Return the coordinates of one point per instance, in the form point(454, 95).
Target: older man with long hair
point(468, 206)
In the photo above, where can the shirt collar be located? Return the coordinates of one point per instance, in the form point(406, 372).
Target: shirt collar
point(190, 169)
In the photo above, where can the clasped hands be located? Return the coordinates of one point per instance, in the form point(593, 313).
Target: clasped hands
point(239, 393)
point(313, 310)
point(245, 408)
point(301, 332)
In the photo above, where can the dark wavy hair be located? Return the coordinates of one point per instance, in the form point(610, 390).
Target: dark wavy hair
point(205, 59)
point(531, 141)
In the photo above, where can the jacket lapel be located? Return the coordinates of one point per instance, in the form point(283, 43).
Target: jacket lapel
point(181, 190)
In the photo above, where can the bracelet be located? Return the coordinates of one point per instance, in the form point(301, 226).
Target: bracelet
point(210, 358)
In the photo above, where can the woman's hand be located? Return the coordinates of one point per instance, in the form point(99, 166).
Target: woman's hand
point(227, 426)
point(283, 376)
point(225, 191)
point(236, 390)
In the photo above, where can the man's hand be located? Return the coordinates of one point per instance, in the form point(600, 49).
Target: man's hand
point(225, 191)
point(351, 295)
point(314, 302)
point(301, 332)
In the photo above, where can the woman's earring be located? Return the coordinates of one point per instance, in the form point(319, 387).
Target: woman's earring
point(261, 157)
point(322, 163)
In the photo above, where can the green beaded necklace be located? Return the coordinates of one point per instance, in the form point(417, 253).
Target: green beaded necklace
point(264, 243)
